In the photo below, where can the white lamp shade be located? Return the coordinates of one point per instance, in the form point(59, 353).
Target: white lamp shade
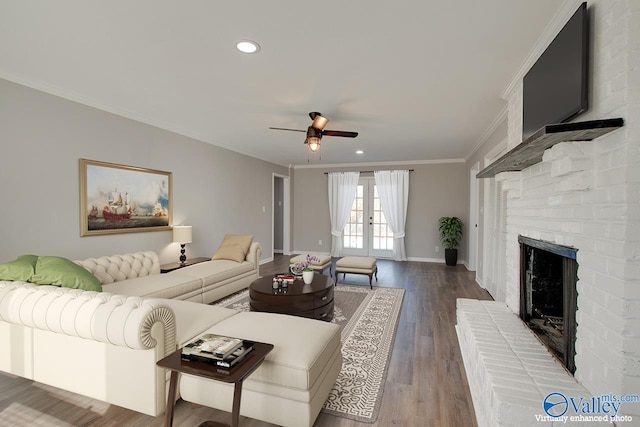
point(182, 233)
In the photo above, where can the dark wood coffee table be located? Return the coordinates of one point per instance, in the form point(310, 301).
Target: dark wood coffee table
point(235, 375)
point(314, 300)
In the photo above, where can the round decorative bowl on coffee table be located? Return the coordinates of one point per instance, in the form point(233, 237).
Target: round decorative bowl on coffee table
point(314, 300)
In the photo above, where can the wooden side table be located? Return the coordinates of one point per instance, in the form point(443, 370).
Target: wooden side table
point(166, 268)
point(236, 375)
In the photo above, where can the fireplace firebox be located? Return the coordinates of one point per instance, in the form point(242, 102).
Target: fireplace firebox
point(548, 277)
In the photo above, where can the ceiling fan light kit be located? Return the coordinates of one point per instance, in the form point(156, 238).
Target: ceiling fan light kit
point(319, 121)
point(313, 138)
point(314, 144)
point(316, 131)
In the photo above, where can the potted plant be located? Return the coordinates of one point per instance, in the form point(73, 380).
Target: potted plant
point(450, 236)
point(304, 268)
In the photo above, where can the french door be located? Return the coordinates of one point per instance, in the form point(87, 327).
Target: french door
point(367, 232)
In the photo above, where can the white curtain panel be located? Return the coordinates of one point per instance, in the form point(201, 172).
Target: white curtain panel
point(393, 189)
point(342, 191)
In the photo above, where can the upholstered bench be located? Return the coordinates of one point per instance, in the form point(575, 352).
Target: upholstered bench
point(293, 382)
point(357, 265)
point(319, 266)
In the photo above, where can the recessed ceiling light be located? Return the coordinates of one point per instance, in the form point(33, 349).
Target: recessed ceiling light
point(248, 46)
point(359, 152)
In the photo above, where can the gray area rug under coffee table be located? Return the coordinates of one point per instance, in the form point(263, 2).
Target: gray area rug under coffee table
point(368, 319)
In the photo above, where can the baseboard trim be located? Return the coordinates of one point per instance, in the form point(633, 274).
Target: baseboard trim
point(417, 259)
point(299, 252)
point(266, 260)
point(436, 260)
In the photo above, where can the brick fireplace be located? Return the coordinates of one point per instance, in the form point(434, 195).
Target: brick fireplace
point(586, 195)
point(548, 277)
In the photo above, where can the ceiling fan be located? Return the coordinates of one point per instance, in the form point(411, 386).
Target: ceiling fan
point(316, 131)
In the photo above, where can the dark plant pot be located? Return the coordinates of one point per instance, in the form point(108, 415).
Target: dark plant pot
point(451, 256)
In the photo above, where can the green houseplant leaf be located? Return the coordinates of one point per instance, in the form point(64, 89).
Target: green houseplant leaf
point(450, 231)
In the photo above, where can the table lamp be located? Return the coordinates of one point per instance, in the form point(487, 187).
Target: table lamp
point(182, 235)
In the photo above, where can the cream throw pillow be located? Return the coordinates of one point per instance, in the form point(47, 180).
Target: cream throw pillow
point(234, 247)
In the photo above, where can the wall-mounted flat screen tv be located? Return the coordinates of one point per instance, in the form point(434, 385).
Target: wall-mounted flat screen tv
point(555, 89)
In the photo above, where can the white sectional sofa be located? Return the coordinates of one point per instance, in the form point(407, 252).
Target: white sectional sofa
point(105, 345)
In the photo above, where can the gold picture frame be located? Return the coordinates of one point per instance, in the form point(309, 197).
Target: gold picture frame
point(123, 199)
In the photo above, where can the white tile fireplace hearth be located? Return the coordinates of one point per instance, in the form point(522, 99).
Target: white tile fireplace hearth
point(584, 195)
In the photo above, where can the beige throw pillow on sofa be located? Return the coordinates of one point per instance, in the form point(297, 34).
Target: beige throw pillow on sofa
point(234, 247)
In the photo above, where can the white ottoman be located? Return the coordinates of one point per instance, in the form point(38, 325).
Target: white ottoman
point(357, 265)
point(325, 261)
point(293, 382)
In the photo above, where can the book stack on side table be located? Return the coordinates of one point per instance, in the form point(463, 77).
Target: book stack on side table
point(204, 364)
point(217, 350)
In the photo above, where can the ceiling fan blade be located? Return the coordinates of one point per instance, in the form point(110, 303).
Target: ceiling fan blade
point(344, 134)
point(293, 130)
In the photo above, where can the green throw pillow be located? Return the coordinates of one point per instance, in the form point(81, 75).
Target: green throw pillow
point(19, 270)
point(53, 270)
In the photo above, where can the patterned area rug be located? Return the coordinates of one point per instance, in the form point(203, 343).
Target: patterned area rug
point(368, 319)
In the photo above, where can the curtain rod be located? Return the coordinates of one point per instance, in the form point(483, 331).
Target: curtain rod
point(410, 170)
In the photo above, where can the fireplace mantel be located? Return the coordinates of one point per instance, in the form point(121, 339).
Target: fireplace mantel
point(530, 151)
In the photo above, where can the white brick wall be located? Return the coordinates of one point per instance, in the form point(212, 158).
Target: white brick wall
point(587, 195)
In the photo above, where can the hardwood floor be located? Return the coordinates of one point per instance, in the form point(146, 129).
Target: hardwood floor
point(426, 382)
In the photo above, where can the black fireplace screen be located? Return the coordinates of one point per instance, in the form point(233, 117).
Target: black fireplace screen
point(548, 277)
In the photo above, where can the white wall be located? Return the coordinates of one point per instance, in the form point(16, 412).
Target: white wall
point(42, 138)
point(435, 190)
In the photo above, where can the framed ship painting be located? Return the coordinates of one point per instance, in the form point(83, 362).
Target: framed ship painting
point(123, 199)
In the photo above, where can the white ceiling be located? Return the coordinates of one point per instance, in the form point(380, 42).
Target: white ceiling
point(419, 80)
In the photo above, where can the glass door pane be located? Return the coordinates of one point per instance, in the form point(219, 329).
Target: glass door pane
point(354, 232)
point(382, 236)
point(367, 232)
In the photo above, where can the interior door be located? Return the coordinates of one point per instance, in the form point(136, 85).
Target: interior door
point(472, 228)
point(367, 232)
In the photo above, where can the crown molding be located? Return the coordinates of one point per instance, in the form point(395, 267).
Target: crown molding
point(565, 12)
point(567, 9)
point(397, 163)
point(502, 116)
